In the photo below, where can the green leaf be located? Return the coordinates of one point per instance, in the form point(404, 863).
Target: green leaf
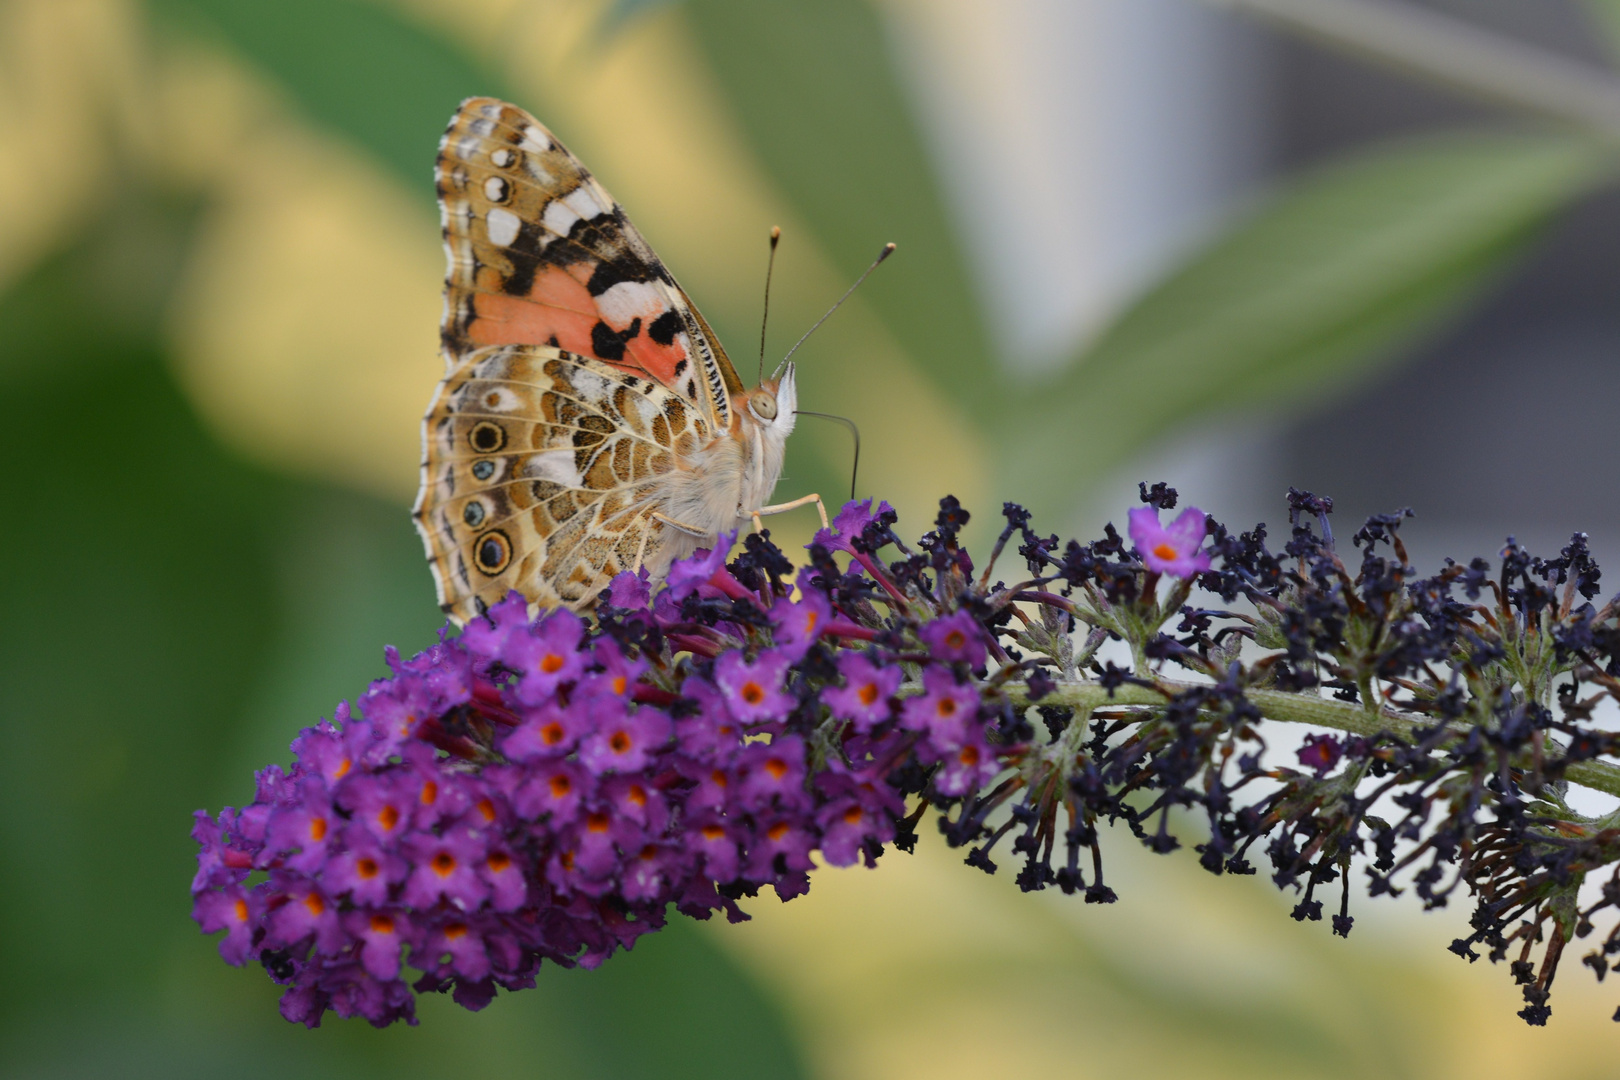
point(1318, 287)
point(357, 68)
point(813, 84)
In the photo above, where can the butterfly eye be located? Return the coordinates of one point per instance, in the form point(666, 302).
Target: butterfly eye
point(764, 405)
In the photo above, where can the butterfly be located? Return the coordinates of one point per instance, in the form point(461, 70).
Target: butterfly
point(589, 422)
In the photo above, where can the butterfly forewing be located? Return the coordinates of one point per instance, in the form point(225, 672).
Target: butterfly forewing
point(579, 373)
point(541, 254)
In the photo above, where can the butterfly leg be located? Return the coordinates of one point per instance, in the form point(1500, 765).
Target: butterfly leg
point(641, 551)
point(689, 530)
point(779, 508)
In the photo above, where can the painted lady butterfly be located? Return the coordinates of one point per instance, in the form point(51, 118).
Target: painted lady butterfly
point(589, 421)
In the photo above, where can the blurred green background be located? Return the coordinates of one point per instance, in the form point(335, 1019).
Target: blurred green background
point(219, 275)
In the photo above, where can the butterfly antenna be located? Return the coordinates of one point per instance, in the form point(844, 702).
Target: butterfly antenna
point(853, 430)
point(776, 237)
point(888, 249)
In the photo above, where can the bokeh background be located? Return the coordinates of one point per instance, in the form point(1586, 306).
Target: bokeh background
point(1138, 239)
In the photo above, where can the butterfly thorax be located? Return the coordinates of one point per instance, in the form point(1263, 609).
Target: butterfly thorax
point(715, 489)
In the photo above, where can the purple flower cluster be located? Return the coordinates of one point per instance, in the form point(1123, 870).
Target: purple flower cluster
point(545, 788)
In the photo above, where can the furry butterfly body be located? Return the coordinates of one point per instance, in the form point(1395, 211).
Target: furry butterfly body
point(589, 421)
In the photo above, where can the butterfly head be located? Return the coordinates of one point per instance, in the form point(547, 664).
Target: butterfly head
point(773, 404)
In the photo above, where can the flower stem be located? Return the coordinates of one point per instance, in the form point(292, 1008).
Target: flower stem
point(1086, 695)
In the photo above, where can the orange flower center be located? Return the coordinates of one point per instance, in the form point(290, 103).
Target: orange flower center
point(753, 693)
point(487, 809)
point(852, 816)
point(388, 817)
point(430, 793)
point(366, 868)
point(777, 831)
point(551, 734)
point(648, 853)
point(444, 864)
point(946, 706)
point(317, 829)
point(619, 743)
point(342, 770)
point(718, 777)
point(969, 755)
point(637, 795)
point(567, 860)
point(868, 693)
point(561, 786)
point(314, 903)
point(455, 931)
point(955, 639)
point(551, 663)
point(1165, 551)
point(241, 909)
point(710, 832)
point(597, 822)
point(382, 924)
point(776, 767)
point(498, 861)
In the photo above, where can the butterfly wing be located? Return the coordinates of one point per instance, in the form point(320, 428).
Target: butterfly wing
point(578, 373)
point(541, 254)
point(542, 468)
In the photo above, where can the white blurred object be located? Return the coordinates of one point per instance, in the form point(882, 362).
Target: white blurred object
point(1084, 145)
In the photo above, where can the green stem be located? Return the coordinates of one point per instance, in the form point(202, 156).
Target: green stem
point(1084, 696)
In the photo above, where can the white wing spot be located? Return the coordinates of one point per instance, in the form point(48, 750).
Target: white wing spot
point(502, 158)
point(495, 189)
point(491, 367)
point(583, 203)
point(482, 128)
point(628, 299)
point(558, 217)
point(466, 147)
point(503, 226)
point(554, 465)
point(589, 386)
point(499, 399)
point(535, 139)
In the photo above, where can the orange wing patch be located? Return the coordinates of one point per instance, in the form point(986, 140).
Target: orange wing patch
point(540, 254)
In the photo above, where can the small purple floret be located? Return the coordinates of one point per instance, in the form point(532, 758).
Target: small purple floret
point(956, 638)
point(864, 698)
point(1174, 548)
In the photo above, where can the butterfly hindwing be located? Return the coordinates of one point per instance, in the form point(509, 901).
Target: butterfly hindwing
point(541, 254)
point(541, 470)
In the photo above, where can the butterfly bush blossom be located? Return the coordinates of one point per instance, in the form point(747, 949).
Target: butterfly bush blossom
point(547, 788)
